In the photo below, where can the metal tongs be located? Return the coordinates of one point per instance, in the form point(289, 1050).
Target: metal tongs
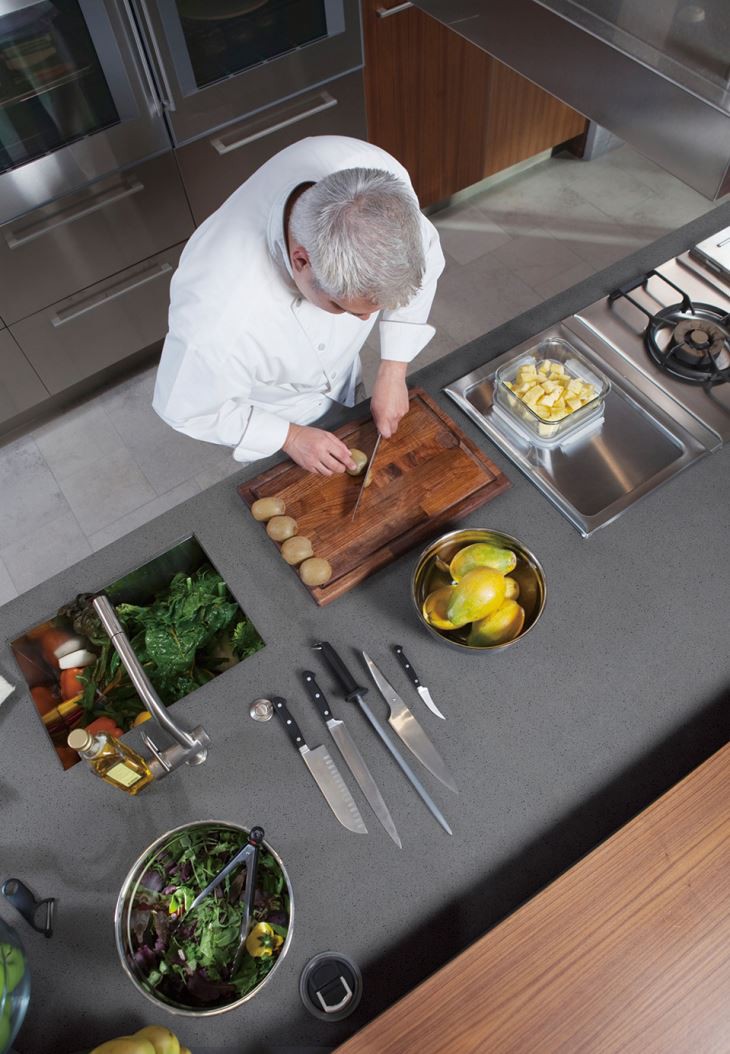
point(249, 856)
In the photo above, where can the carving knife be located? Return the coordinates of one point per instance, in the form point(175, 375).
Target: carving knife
point(355, 692)
point(366, 478)
point(324, 771)
point(353, 757)
point(414, 679)
point(405, 726)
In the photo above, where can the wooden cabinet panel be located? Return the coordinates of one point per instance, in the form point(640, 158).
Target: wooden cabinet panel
point(20, 386)
point(448, 111)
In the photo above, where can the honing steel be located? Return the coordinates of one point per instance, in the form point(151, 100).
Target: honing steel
point(351, 754)
point(415, 681)
point(405, 726)
point(366, 478)
point(355, 692)
point(324, 771)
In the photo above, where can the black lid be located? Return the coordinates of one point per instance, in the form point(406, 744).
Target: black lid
point(330, 986)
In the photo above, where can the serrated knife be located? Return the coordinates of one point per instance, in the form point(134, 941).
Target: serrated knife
point(415, 681)
point(324, 771)
point(405, 726)
point(353, 758)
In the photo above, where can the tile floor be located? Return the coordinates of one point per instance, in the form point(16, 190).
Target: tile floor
point(87, 478)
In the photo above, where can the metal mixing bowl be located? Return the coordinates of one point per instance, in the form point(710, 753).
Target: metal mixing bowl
point(122, 922)
point(432, 571)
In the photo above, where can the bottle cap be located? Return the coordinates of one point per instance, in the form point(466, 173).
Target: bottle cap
point(330, 986)
point(80, 739)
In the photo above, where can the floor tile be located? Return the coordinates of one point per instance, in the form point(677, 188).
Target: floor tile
point(467, 232)
point(537, 257)
point(52, 547)
point(30, 493)
point(114, 488)
point(558, 282)
point(77, 439)
point(145, 513)
point(166, 457)
point(8, 590)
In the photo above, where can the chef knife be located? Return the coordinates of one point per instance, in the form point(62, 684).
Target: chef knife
point(414, 679)
point(353, 757)
point(353, 691)
point(324, 771)
point(404, 724)
point(366, 478)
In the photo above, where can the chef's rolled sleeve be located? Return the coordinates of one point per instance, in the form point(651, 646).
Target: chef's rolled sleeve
point(265, 434)
point(405, 332)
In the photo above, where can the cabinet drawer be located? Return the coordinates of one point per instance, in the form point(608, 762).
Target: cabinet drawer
point(82, 238)
point(216, 165)
point(77, 337)
point(20, 386)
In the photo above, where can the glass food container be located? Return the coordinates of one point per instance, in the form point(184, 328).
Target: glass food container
point(574, 365)
point(14, 985)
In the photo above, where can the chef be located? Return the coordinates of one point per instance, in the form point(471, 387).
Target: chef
point(277, 292)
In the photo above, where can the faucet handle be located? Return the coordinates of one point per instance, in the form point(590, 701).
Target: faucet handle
point(157, 754)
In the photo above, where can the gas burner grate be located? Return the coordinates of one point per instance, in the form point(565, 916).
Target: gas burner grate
point(688, 340)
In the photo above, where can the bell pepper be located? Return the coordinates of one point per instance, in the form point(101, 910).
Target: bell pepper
point(262, 941)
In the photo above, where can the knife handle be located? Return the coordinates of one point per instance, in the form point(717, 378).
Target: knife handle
point(290, 725)
point(317, 696)
point(350, 687)
point(401, 657)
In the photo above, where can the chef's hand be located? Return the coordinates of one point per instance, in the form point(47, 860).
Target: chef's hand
point(389, 402)
point(317, 450)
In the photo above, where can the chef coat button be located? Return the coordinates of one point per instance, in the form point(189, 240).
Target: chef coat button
point(320, 347)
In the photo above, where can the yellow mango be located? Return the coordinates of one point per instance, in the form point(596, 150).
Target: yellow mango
point(511, 588)
point(482, 554)
point(126, 1045)
point(479, 592)
point(500, 626)
point(162, 1039)
point(436, 606)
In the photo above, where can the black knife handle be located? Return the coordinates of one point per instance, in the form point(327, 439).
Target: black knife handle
point(317, 696)
point(401, 657)
point(350, 687)
point(292, 728)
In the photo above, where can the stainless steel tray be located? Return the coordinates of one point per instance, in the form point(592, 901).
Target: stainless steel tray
point(644, 438)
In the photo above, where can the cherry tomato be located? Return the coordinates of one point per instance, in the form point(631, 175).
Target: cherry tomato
point(105, 724)
point(70, 683)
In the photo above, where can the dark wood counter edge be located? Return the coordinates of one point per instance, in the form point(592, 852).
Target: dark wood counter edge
point(628, 951)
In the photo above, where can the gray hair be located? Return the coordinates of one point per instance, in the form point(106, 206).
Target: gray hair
point(362, 230)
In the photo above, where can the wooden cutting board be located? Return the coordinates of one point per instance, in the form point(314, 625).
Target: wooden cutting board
point(427, 475)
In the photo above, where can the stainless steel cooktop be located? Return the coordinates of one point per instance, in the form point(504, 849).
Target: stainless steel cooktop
point(654, 424)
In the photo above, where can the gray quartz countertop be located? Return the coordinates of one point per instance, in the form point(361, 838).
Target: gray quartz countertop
point(619, 691)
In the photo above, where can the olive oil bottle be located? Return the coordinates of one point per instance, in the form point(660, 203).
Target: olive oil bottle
point(112, 760)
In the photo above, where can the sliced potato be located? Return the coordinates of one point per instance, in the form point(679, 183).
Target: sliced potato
point(265, 508)
point(296, 549)
point(281, 527)
point(315, 571)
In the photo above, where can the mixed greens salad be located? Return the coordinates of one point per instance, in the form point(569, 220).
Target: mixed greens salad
point(189, 962)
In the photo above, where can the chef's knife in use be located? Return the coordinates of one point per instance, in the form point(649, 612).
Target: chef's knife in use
point(324, 771)
point(354, 692)
point(414, 679)
point(351, 754)
point(366, 478)
point(405, 726)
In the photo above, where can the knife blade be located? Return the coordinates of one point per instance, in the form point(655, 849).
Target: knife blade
point(353, 758)
point(415, 681)
point(405, 726)
point(366, 478)
point(324, 771)
point(355, 692)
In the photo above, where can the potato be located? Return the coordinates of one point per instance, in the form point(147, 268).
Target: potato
point(265, 508)
point(296, 549)
point(281, 527)
point(360, 460)
point(549, 391)
point(315, 571)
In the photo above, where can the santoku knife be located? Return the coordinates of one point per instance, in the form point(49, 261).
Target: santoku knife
point(324, 771)
point(414, 679)
point(354, 692)
point(352, 756)
point(404, 724)
point(366, 478)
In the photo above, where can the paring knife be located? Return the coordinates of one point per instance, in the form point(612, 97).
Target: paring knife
point(405, 726)
point(355, 692)
point(366, 478)
point(413, 676)
point(352, 756)
point(324, 771)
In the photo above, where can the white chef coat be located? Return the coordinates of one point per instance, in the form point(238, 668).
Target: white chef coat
point(245, 354)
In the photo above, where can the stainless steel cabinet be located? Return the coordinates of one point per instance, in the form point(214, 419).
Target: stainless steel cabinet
point(80, 336)
point(214, 166)
point(84, 237)
point(20, 386)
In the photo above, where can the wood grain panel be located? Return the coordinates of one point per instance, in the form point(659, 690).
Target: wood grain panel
point(627, 953)
point(428, 474)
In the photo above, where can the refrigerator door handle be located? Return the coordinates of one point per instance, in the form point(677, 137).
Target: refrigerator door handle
point(60, 318)
point(146, 77)
point(22, 235)
point(327, 101)
point(164, 89)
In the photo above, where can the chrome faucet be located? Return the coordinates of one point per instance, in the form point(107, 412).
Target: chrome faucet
point(190, 747)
